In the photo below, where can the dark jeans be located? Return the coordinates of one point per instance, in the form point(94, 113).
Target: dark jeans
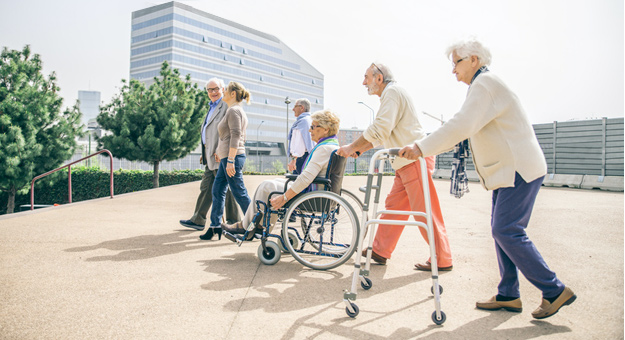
point(221, 184)
point(205, 200)
point(512, 208)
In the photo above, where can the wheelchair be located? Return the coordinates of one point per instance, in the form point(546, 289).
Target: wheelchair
point(320, 228)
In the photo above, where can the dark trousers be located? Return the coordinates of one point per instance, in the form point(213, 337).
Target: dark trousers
point(512, 208)
point(299, 163)
point(205, 200)
point(222, 182)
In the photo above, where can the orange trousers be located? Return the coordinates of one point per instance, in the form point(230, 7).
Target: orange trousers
point(407, 195)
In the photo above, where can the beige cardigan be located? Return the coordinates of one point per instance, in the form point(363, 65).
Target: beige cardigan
point(501, 137)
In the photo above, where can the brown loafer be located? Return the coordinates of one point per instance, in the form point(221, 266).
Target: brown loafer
point(492, 304)
point(375, 257)
point(547, 309)
point(427, 266)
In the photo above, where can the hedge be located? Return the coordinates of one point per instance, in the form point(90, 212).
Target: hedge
point(90, 183)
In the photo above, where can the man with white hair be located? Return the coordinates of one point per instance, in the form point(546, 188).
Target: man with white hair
point(300, 143)
point(395, 124)
point(210, 138)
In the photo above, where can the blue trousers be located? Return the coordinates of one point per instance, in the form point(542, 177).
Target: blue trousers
point(512, 208)
point(221, 184)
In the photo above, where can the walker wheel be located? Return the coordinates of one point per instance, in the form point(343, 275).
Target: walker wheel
point(439, 321)
point(271, 256)
point(356, 310)
point(366, 284)
point(440, 290)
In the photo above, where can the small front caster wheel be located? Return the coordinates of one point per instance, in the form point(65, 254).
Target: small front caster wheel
point(366, 284)
point(437, 320)
point(356, 310)
point(440, 290)
point(271, 256)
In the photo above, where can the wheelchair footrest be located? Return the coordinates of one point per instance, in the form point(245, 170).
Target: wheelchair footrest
point(236, 238)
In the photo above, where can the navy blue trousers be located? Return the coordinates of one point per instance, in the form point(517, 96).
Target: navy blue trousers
point(512, 208)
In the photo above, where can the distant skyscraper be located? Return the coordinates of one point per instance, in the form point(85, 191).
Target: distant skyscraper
point(89, 105)
point(206, 46)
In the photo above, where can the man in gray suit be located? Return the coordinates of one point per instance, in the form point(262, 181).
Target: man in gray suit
point(210, 137)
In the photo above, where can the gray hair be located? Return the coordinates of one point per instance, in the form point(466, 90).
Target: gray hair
point(219, 81)
point(470, 47)
point(380, 68)
point(305, 103)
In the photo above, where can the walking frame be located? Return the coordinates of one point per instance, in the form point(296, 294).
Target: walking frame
point(360, 274)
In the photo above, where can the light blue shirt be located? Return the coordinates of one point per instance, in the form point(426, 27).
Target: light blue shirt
point(212, 105)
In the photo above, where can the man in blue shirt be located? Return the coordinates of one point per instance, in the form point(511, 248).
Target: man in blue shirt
point(300, 143)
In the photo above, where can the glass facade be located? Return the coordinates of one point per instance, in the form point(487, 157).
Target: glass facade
point(205, 46)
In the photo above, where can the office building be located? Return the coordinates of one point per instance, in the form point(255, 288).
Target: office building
point(89, 105)
point(204, 46)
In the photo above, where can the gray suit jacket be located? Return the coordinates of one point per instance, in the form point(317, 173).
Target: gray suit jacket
point(212, 136)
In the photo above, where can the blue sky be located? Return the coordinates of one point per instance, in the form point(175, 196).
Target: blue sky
point(564, 59)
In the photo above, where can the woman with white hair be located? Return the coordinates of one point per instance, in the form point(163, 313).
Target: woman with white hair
point(509, 161)
point(323, 130)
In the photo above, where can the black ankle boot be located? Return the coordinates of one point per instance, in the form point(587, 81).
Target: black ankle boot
point(210, 232)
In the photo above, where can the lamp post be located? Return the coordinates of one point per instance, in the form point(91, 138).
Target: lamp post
point(372, 112)
point(287, 101)
point(439, 119)
point(258, 146)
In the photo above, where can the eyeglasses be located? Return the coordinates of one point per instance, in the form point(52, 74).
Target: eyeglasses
point(213, 89)
point(376, 66)
point(312, 127)
point(458, 61)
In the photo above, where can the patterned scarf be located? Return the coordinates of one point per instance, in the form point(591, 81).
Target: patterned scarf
point(330, 140)
point(459, 180)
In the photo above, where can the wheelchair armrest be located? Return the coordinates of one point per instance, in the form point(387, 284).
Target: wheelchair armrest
point(324, 181)
point(291, 176)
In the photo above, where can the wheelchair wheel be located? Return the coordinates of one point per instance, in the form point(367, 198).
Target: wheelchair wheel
point(326, 226)
point(355, 202)
point(294, 242)
point(271, 256)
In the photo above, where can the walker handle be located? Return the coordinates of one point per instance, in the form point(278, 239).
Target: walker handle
point(393, 152)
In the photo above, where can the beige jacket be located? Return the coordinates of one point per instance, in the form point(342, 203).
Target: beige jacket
point(232, 132)
point(396, 123)
point(502, 139)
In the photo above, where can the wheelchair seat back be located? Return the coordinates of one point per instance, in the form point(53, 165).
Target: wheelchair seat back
point(335, 172)
point(333, 182)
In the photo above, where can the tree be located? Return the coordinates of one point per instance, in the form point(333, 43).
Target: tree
point(153, 124)
point(35, 137)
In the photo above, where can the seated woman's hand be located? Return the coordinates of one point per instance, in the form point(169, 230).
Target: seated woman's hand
point(277, 202)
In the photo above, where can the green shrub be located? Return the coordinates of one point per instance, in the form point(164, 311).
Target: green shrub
point(90, 183)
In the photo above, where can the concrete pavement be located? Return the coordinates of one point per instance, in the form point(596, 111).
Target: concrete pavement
point(124, 268)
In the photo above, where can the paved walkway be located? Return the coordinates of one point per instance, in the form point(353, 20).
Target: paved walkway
point(124, 268)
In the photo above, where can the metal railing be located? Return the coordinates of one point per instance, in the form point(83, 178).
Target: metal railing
point(69, 177)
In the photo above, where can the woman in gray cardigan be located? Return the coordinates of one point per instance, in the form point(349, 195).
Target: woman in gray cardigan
point(509, 161)
point(231, 157)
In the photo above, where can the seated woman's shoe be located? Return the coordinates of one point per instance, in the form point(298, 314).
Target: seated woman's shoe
point(258, 222)
point(234, 229)
point(210, 232)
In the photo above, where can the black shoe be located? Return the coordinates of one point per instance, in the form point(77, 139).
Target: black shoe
point(210, 232)
point(237, 228)
point(258, 222)
point(190, 224)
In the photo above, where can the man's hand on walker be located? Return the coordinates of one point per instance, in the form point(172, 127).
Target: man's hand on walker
point(410, 152)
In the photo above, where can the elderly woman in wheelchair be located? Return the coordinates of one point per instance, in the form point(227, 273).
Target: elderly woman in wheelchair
point(319, 227)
